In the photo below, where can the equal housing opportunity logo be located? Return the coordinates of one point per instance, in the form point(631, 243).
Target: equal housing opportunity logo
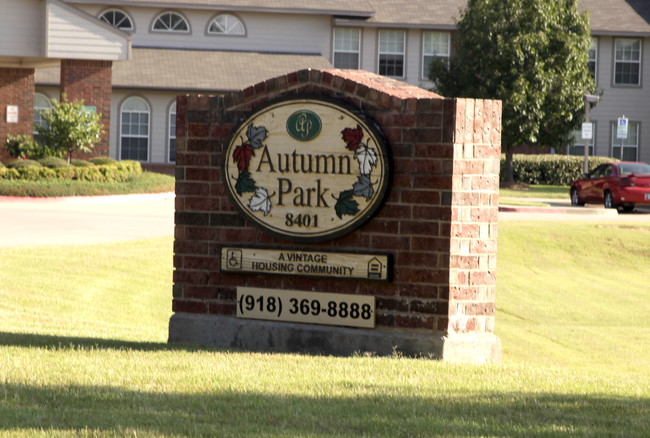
point(307, 169)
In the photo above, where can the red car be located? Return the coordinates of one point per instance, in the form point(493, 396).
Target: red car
point(616, 185)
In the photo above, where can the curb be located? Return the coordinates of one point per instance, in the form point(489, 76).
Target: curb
point(108, 199)
point(560, 210)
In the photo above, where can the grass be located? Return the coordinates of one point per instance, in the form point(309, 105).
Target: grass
point(146, 182)
point(83, 353)
point(536, 191)
point(522, 203)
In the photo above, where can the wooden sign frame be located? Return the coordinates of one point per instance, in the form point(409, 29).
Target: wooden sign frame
point(307, 168)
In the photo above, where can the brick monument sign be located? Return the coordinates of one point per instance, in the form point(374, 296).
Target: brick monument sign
point(334, 212)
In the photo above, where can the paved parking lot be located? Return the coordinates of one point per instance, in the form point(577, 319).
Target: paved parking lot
point(561, 209)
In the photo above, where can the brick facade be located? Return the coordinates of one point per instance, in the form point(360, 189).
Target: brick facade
point(16, 88)
point(90, 81)
point(439, 221)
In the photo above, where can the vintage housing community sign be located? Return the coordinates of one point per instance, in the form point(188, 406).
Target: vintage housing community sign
point(307, 169)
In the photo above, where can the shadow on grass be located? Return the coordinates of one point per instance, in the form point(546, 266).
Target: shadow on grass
point(76, 343)
point(378, 411)
point(113, 410)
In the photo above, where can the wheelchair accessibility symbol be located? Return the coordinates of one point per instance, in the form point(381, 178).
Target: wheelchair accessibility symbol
point(234, 258)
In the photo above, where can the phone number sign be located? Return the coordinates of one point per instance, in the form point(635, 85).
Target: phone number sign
point(306, 307)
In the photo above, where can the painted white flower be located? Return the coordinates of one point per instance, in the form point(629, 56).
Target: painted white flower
point(367, 158)
point(260, 201)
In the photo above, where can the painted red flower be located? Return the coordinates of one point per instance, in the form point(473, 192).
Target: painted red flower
point(242, 156)
point(352, 137)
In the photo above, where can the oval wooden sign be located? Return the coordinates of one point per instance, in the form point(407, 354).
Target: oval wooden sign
point(307, 169)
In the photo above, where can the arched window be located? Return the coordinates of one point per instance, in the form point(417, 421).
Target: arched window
point(172, 133)
point(117, 19)
point(41, 103)
point(170, 22)
point(226, 24)
point(134, 130)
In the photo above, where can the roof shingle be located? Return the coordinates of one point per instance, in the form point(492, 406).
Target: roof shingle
point(196, 70)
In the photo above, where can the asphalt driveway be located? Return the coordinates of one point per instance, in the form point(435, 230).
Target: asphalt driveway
point(102, 219)
point(87, 220)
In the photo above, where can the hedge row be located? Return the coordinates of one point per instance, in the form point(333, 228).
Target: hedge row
point(559, 170)
point(119, 171)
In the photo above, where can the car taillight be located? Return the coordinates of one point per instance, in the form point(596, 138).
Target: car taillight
point(627, 182)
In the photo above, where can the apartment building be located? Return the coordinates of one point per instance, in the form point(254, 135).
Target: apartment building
point(152, 50)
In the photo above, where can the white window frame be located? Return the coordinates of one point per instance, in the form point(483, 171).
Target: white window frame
point(429, 52)
point(171, 132)
point(631, 142)
point(170, 27)
point(387, 52)
point(134, 100)
point(620, 58)
point(234, 26)
point(117, 23)
point(345, 49)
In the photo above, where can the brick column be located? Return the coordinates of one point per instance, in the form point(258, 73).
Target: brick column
point(16, 88)
point(474, 226)
point(90, 81)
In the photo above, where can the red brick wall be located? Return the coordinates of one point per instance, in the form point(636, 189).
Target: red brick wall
point(90, 81)
point(474, 216)
point(439, 221)
point(16, 88)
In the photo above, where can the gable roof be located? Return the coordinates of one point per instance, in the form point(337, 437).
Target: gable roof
point(441, 14)
point(197, 70)
point(618, 17)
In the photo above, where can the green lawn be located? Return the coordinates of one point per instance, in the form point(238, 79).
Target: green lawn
point(83, 353)
point(536, 191)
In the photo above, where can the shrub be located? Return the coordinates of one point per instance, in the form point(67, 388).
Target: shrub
point(22, 146)
point(1, 165)
point(53, 162)
point(19, 146)
point(81, 163)
point(34, 173)
point(99, 161)
point(116, 171)
point(6, 173)
point(18, 164)
point(559, 170)
point(69, 126)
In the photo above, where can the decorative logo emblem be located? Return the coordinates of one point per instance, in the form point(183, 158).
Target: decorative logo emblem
point(325, 178)
point(304, 125)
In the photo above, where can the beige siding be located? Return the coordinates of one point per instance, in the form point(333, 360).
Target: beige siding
point(265, 32)
point(369, 49)
point(72, 34)
point(22, 28)
point(412, 63)
point(616, 101)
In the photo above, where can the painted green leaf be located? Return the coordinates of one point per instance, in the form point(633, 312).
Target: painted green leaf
point(346, 204)
point(244, 183)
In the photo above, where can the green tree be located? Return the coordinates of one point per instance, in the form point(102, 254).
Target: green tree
point(531, 55)
point(69, 127)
